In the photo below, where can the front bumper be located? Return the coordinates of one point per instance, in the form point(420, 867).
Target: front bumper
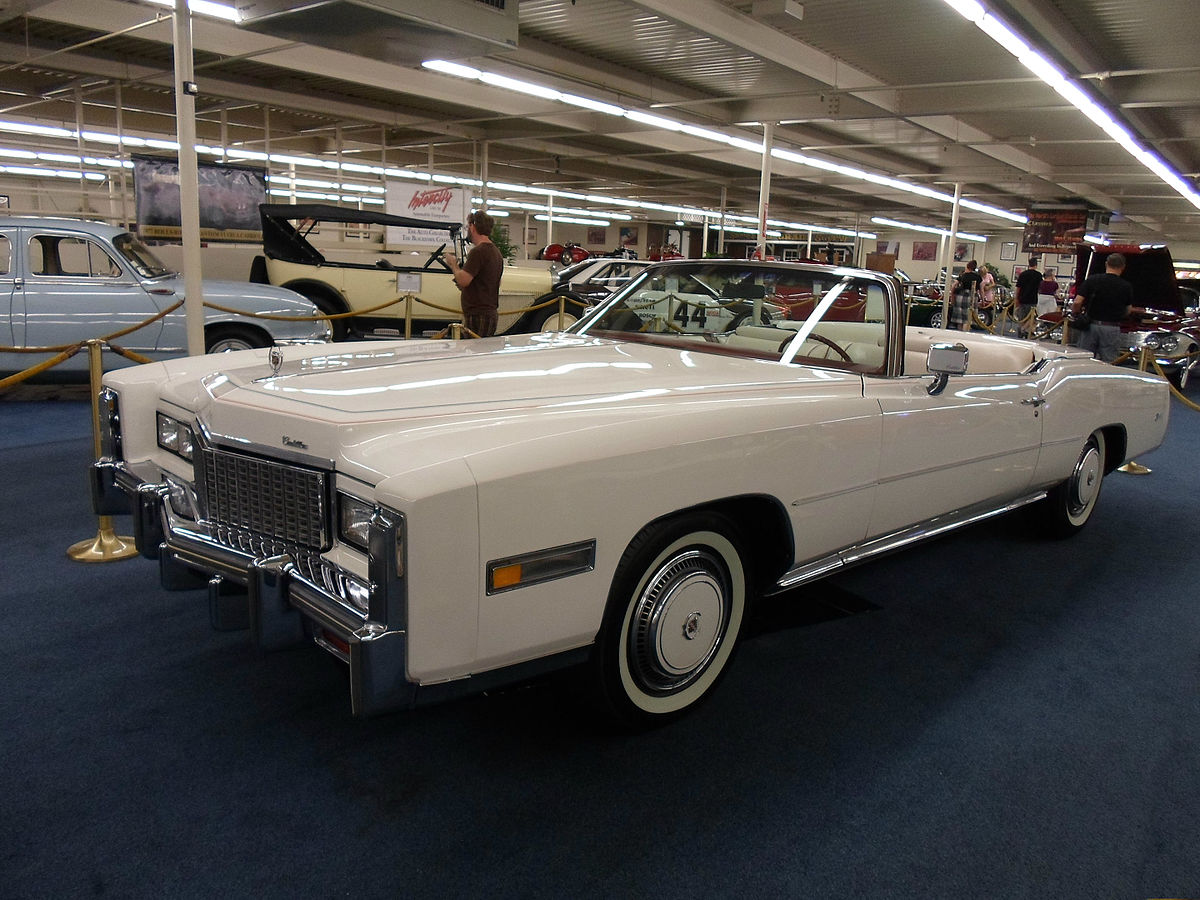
point(291, 597)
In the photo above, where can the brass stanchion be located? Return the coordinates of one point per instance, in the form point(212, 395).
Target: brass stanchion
point(106, 546)
point(456, 331)
point(562, 311)
point(1133, 467)
point(408, 298)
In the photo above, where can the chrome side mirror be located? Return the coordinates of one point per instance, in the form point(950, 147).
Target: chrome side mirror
point(943, 361)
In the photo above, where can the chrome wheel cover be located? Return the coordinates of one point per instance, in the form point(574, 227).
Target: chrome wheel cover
point(1084, 484)
point(229, 345)
point(679, 621)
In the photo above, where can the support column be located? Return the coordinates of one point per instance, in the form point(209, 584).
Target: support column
point(948, 256)
point(189, 190)
point(483, 176)
point(120, 122)
point(721, 234)
point(764, 188)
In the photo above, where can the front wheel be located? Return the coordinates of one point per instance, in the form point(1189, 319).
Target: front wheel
point(1069, 505)
point(674, 615)
point(227, 338)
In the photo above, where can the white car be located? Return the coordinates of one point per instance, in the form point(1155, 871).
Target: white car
point(444, 517)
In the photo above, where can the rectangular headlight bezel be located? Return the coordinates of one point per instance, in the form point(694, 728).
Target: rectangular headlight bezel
point(175, 437)
point(354, 521)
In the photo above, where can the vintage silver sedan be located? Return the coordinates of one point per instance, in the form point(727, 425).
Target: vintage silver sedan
point(447, 516)
point(67, 280)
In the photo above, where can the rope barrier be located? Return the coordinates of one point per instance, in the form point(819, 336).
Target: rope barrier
point(26, 374)
point(128, 354)
point(1174, 390)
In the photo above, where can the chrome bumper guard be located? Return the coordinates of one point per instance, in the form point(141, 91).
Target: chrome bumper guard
point(287, 606)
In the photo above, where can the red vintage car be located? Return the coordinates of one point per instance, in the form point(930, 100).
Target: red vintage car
point(565, 254)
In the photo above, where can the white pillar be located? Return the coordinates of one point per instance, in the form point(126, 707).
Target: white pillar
point(949, 256)
point(483, 176)
point(764, 188)
point(125, 220)
point(721, 234)
point(189, 190)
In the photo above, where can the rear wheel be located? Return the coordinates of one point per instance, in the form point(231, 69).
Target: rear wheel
point(227, 338)
point(546, 319)
point(1069, 505)
point(675, 612)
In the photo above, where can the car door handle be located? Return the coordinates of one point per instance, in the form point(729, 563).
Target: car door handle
point(1035, 402)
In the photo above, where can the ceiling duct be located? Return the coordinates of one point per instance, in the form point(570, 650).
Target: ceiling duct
point(777, 12)
point(404, 32)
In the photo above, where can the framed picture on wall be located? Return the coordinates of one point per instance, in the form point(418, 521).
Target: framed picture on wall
point(1066, 259)
point(962, 252)
point(1017, 270)
point(1008, 250)
point(596, 235)
point(924, 250)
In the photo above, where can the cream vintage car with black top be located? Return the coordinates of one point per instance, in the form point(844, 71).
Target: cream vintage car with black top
point(339, 286)
point(447, 516)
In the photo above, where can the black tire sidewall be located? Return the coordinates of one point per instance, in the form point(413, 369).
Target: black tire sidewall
point(636, 566)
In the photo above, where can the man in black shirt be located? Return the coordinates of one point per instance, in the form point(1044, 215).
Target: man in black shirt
point(1028, 283)
point(1107, 300)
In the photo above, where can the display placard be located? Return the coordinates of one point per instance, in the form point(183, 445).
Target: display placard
point(424, 201)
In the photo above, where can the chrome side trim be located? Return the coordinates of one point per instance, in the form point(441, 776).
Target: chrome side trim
point(859, 553)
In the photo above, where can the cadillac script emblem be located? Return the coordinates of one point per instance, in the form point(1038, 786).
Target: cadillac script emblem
point(275, 357)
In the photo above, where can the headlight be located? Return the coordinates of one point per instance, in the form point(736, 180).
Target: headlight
point(110, 424)
point(182, 498)
point(175, 437)
point(1168, 343)
point(354, 521)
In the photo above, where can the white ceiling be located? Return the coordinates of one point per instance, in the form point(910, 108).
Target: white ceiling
point(908, 88)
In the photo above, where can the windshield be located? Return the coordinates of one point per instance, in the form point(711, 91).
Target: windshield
point(779, 311)
point(144, 262)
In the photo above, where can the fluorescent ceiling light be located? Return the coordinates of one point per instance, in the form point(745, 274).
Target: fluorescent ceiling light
point(1096, 239)
point(740, 143)
point(893, 223)
point(573, 220)
point(205, 8)
point(1048, 72)
point(451, 68)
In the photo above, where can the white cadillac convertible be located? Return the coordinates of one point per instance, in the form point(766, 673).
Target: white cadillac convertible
point(447, 516)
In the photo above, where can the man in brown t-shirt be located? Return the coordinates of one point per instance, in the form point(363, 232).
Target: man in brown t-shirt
point(479, 277)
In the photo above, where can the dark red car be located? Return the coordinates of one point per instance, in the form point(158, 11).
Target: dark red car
point(566, 254)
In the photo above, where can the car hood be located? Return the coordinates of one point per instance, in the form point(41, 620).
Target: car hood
point(241, 295)
point(422, 401)
point(400, 379)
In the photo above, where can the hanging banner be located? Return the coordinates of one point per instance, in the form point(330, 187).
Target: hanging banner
point(229, 198)
point(1054, 230)
point(424, 201)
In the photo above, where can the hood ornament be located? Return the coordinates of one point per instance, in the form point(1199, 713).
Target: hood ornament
point(275, 358)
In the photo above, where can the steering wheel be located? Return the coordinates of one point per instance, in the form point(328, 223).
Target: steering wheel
point(437, 255)
point(821, 339)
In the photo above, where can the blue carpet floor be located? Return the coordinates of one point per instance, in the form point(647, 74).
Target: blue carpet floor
point(986, 715)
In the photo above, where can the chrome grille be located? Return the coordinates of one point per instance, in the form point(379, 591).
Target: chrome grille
point(273, 501)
